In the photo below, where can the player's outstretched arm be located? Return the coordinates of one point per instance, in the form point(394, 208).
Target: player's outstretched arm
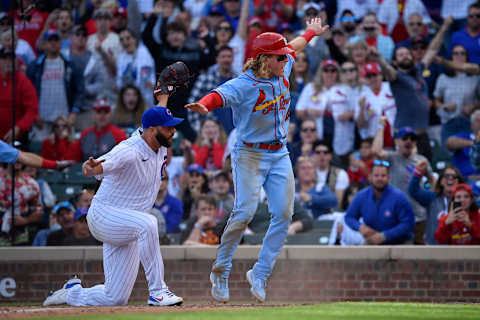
point(197, 107)
point(314, 28)
point(92, 167)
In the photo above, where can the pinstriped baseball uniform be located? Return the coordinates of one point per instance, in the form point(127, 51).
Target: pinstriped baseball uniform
point(118, 217)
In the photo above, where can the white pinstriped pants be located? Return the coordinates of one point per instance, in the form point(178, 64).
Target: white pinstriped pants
point(128, 236)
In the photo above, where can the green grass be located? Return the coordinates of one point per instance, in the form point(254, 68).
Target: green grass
point(327, 311)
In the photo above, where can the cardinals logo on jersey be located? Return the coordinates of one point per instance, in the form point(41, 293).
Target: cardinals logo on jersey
point(261, 98)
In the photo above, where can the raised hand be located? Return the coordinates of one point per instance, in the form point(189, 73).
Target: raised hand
point(315, 24)
point(89, 167)
point(197, 107)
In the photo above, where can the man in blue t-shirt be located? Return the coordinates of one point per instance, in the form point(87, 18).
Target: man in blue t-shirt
point(469, 37)
point(460, 145)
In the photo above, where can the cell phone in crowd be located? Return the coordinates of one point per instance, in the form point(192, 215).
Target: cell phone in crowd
point(456, 204)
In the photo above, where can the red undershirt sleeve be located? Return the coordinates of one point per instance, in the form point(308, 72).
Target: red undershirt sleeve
point(211, 101)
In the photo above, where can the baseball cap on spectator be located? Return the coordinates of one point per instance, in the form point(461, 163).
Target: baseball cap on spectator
point(405, 131)
point(372, 68)
point(63, 205)
point(284, 26)
point(102, 13)
point(215, 11)
point(462, 187)
point(79, 30)
point(50, 34)
point(329, 62)
point(159, 116)
point(120, 12)
point(102, 105)
point(80, 212)
point(195, 168)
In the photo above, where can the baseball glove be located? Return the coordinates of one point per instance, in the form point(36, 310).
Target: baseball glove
point(171, 78)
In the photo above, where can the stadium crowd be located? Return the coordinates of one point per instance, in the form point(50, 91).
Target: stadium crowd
point(384, 120)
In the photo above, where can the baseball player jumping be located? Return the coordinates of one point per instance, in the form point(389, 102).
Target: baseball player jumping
point(132, 172)
point(260, 101)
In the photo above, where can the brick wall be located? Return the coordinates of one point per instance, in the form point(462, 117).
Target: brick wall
point(311, 279)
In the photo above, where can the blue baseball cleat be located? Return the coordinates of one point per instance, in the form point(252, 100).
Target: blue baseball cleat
point(258, 286)
point(219, 287)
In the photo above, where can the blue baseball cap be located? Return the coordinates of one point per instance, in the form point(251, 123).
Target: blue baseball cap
point(159, 116)
point(405, 131)
point(195, 167)
point(51, 34)
point(63, 205)
point(80, 212)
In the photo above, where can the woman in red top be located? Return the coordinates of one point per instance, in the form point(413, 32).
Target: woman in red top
point(56, 145)
point(461, 226)
point(210, 145)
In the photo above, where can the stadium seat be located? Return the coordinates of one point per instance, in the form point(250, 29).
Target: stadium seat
point(309, 238)
point(440, 156)
point(253, 238)
point(51, 176)
point(323, 224)
point(65, 192)
point(174, 238)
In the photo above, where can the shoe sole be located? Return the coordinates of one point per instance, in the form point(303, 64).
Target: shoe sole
point(213, 295)
point(251, 288)
point(166, 305)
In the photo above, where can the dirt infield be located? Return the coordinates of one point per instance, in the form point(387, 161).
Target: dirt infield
point(16, 312)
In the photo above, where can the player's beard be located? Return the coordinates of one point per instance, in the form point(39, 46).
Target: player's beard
point(162, 140)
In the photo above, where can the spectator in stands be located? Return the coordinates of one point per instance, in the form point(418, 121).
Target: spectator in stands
point(455, 96)
point(169, 207)
point(129, 109)
point(26, 101)
point(313, 100)
point(84, 198)
point(461, 226)
point(361, 162)
point(345, 8)
point(371, 34)
point(348, 23)
point(215, 76)
point(171, 48)
point(22, 49)
point(202, 229)
point(415, 29)
point(403, 162)
point(458, 10)
point(470, 35)
point(119, 19)
point(274, 12)
point(193, 184)
point(210, 145)
point(304, 147)
point(29, 30)
point(135, 65)
point(460, 145)
point(106, 45)
point(223, 33)
point(41, 236)
point(94, 75)
point(220, 187)
point(317, 49)
point(28, 209)
point(315, 197)
point(410, 89)
point(386, 212)
point(56, 146)
point(299, 78)
point(376, 101)
point(393, 15)
point(358, 53)
point(327, 174)
point(58, 83)
point(46, 194)
point(64, 213)
point(80, 235)
point(436, 201)
point(99, 139)
point(353, 87)
point(230, 10)
point(177, 165)
point(62, 20)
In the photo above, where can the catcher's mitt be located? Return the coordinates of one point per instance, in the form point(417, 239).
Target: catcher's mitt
point(171, 78)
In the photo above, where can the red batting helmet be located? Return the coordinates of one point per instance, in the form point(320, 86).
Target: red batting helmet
point(270, 43)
